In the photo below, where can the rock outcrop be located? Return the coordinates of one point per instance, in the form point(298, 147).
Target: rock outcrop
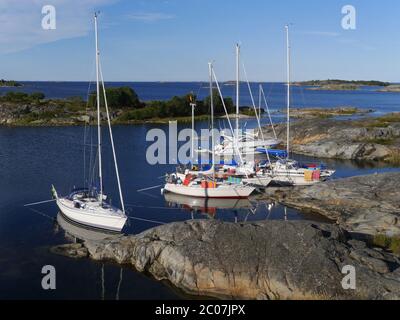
point(264, 260)
point(340, 139)
point(366, 204)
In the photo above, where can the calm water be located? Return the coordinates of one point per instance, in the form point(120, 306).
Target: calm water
point(366, 98)
point(31, 159)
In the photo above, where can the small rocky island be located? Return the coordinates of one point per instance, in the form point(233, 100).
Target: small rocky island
point(339, 85)
point(23, 109)
point(9, 83)
point(391, 88)
point(321, 113)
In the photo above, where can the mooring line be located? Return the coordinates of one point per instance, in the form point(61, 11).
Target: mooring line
point(146, 220)
point(150, 188)
point(40, 202)
point(146, 207)
point(42, 214)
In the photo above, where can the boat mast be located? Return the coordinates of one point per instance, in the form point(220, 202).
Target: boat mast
point(210, 69)
point(288, 90)
point(237, 90)
point(98, 108)
point(259, 99)
point(193, 105)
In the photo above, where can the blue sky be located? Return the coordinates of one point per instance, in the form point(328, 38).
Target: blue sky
point(172, 40)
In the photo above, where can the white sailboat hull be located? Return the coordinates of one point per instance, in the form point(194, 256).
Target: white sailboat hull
point(262, 182)
point(96, 217)
point(221, 192)
point(292, 180)
point(192, 202)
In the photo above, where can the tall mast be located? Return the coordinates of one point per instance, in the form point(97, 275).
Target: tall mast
point(193, 105)
point(288, 90)
point(259, 99)
point(210, 69)
point(237, 90)
point(98, 108)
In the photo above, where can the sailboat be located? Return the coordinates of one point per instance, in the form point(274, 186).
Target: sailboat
point(207, 186)
point(245, 143)
point(89, 206)
point(288, 171)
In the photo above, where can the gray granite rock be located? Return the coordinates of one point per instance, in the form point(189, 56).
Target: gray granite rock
point(348, 140)
point(366, 204)
point(264, 260)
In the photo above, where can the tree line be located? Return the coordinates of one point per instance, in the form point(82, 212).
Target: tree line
point(126, 100)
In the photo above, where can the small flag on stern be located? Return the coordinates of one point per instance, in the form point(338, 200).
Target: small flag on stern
point(54, 192)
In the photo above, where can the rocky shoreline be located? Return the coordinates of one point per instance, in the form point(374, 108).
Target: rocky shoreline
point(66, 113)
point(391, 88)
point(324, 113)
point(370, 139)
point(276, 260)
point(368, 205)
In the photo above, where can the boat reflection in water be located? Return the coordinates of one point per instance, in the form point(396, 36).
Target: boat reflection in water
point(208, 206)
point(78, 233)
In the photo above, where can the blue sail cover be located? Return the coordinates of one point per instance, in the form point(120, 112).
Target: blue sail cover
point(273, 152)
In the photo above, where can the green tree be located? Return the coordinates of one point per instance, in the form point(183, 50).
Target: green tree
point(118, 98)
point(218, 105)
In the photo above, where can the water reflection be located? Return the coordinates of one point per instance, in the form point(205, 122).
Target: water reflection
point(77, 233)
point(205, 206)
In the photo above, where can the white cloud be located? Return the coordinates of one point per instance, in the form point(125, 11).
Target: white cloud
point(150, 16)
point(21, 21)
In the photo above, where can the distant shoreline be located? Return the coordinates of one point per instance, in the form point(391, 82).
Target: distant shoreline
point(341, 85)
point(82, 119)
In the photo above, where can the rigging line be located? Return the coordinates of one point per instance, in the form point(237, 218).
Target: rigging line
point(201, 87)
point(85, 133)
point(146, 220)
point(255, 109)
point(268, 111)
point(112, 140)
point(230, 124)
point(95, 163)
